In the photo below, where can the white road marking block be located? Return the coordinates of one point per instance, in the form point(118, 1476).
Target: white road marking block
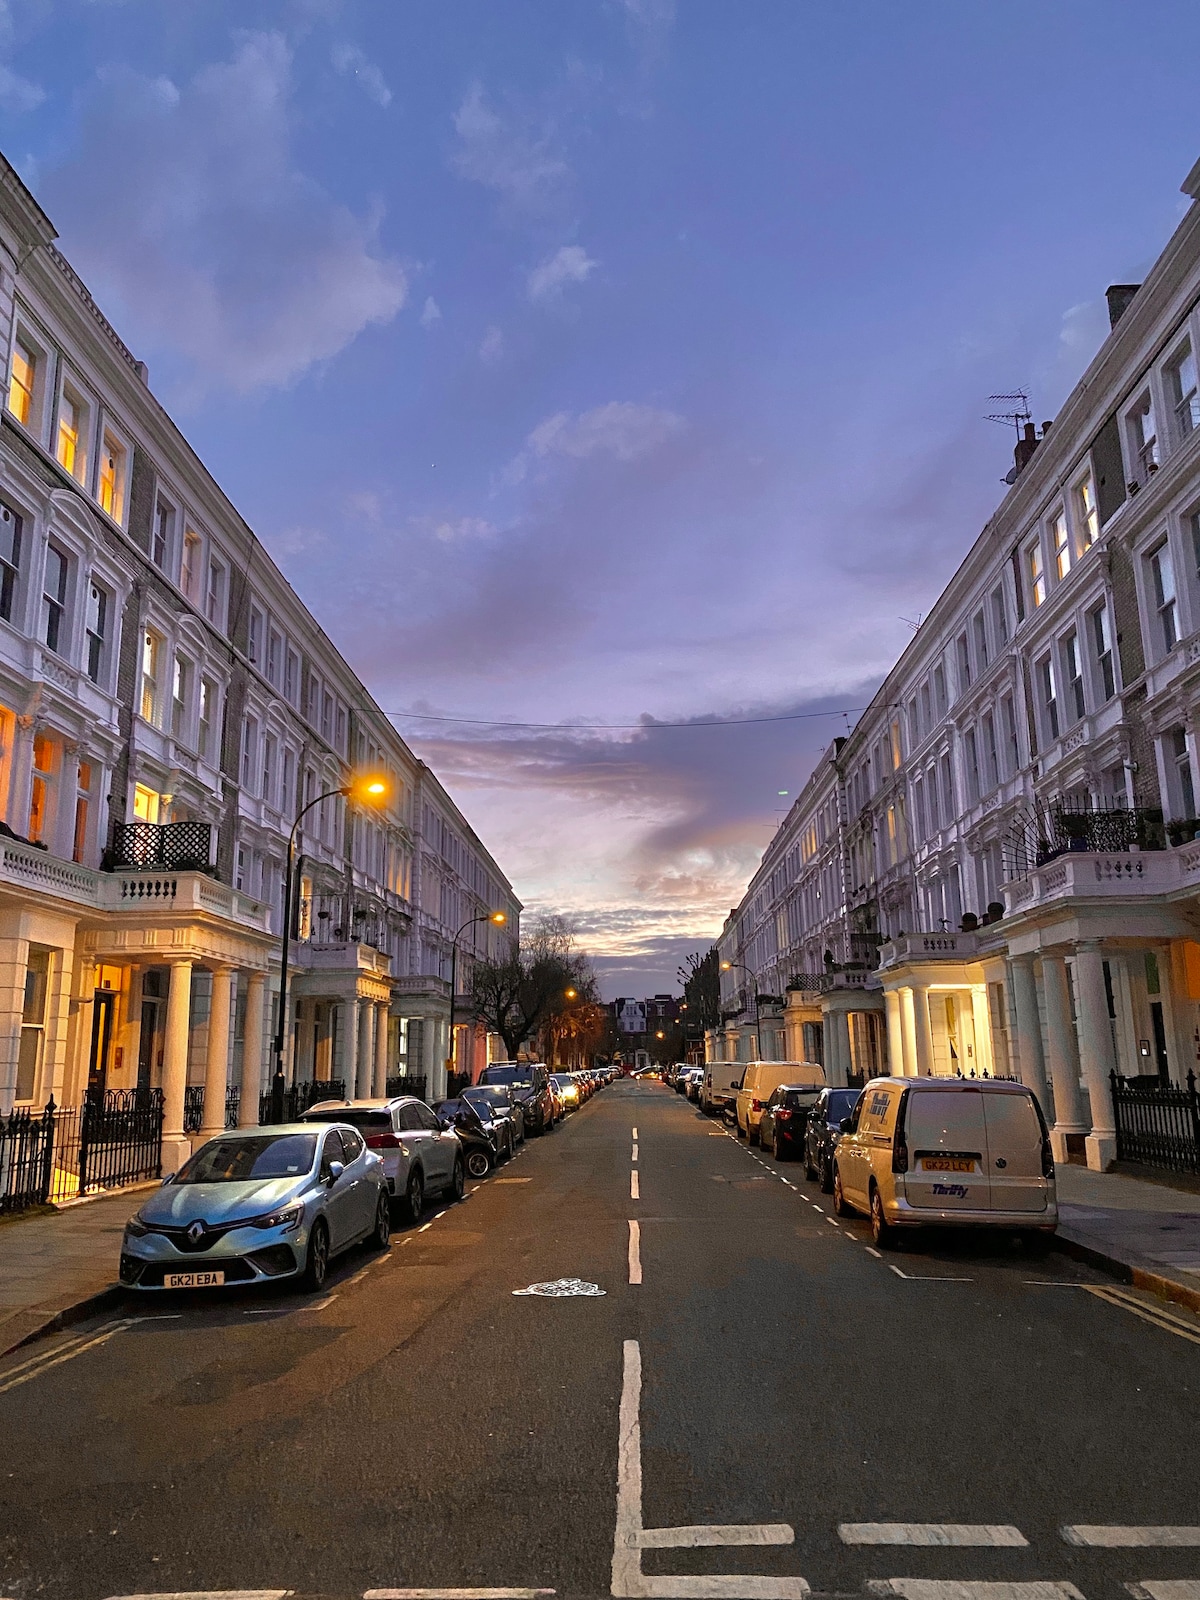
point(934, 1589)
point(1165, 1589)
point(635, 1152)
point(736, 1533)
point(635, 1133)
point(1106, 1537)
point(871, 1251)
point(634, 1193)
point(635, 1252)
point(931, 1533)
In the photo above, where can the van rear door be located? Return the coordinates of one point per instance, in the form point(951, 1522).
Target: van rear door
point(947, 1150)
point(1014, 1151)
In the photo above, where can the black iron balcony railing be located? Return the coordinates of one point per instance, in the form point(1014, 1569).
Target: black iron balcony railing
point(175, 846)
point(1062, 829)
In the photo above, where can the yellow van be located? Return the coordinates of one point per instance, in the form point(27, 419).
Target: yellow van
point(760, 1081)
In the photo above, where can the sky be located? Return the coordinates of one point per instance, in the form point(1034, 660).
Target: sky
point(595, 365)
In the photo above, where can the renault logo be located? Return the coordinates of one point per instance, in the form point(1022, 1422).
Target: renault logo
point(195, 1232)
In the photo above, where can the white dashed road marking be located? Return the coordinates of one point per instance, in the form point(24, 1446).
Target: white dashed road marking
point(930, 1533)
point(932, 1589)
point(635, 1252)
point(737, 1533)
point(1152, 1314)
point(455, 1594)
point(1165, 1589)
point(1118, 1538)
point(634, 1191)
point(36, 1365)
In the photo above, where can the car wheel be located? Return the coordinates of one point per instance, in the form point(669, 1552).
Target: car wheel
point(479, 1163)
point(458, 1181)
point(316, 1263)
point(414, 1196)
point(840, 1205)
point(382, 1236)
point(881, 1229)
point(827, 1178)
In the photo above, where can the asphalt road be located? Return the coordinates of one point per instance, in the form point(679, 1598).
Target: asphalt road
point(770, 1378)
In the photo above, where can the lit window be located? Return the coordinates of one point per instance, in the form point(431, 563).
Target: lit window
point(151, 706)
point(148, 805)
point(10, 559)
point(1181, 380)
point(97, 630)
point(1062, 545)
point(54, 598)
point(69, 448)
point(189, 570)
point(181, 694)
point(1163, 577)
point(33, 1022)
point(1085, 505)
point(112, 478)
point(1037, 574)
point(44, 752)
point(83, 789)
point(208, 704)
point(20, 384)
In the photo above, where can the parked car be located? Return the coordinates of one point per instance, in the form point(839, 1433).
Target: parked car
point(758, 1082)
point(418, 1157)
point(695, 1078)
point(256, 1205)
point(680, 1083)
point(499, 1123)
point(477, 1144)
point(722, 1080)
point(946, 1151)
point(506, 1102)
point(823, 1131)
point(567, 1091)
point(530, 1082)
point(784, 1120)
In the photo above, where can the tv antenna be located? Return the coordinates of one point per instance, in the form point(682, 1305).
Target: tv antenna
point(910, 623)
point(1018, 416)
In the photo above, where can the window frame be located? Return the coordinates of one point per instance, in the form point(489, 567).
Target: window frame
point(113, 441)
point(96, 637)
point(72, 392)
point(1166, 605)
point(1035, 571)
point(54, 615)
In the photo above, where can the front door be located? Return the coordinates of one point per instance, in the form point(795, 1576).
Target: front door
point(1160, 1041)
point(103, 1012)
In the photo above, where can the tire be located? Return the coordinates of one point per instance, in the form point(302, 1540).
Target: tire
point(840, 1205)
point(479, 1163)
point(382, 1235)
point(882, 1231)
point(827, 1177)
point(752, 1135)
point(740, 1134)
point(316, 1263)
point(458, 1182)
point(414, 1195)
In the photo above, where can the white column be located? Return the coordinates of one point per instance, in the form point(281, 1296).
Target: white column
point(895, 1032)
point(1062, 1058)
point(21, 781)
point(837, 1049)
point(985, 1055)
point(1096, 1052)
point(922, 1034)
point(1028, 1056)
point(366, 1050)
point(350, 1045)
point(176, 1146)
point(216, 1068)
point(434, 1065)
point(252, 1051)
point(379, 1088)
point(908, 1032)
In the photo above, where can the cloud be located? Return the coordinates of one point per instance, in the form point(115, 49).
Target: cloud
point(350, 61)
point(454, 531)
point(491, 347)
point(571, 264)
point(496, 150)
point(431, 312)
point(215, 245)
point(622, 428)
point(655, 14)
point(17, 94)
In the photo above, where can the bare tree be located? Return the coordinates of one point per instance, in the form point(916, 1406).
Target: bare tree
point(524, 992)
point(701, 979)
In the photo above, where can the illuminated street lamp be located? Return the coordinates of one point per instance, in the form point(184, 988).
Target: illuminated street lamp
point(729, 966)
point(498, 918)
point(371, 791)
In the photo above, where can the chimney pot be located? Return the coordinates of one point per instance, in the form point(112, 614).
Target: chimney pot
point(1118, 296)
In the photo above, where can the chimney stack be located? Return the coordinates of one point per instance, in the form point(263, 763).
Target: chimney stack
point(1026, 445)
point(1118, 296)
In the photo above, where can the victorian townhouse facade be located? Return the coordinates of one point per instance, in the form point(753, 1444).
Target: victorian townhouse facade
point(998, 869)
point(167, 707)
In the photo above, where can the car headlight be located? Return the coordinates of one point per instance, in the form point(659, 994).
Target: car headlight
point(288, 1217)
point(136, 1228)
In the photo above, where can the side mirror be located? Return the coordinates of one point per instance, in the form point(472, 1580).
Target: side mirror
point(336, 1168)
point(846, 1125)
point(168, 1178)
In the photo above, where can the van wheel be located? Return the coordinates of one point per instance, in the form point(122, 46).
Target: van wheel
point(740, 1134)
point(839, 1199)
point(751, 1134)
point(881, 1229)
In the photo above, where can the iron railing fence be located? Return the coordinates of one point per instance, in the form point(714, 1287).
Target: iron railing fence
point(193, 1106)
point(292, 1102)
point(1060, 827)
point(63, 1152)
point(403, 1084)
point(177, 846)
point(1158, 1123)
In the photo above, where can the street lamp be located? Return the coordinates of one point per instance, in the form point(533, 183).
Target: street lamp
point(728, 966)
point(369, 790)
point(499, 919)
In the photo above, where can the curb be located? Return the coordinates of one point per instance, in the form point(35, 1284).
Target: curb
point(55, 1321)
point(1129, 1272)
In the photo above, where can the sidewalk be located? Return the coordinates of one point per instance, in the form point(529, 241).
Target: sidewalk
point(1143, 1233)
point(58, 1267)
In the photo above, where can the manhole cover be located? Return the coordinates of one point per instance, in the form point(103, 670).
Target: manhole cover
point(561, 1288)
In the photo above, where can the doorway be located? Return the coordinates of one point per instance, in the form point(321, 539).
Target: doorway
point(150, 1043)
point(104, 1006)
point(1158, 1028)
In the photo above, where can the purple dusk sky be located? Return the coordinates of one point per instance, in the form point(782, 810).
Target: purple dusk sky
point(597, 362)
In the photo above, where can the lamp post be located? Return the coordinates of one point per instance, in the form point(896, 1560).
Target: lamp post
point(499, 918)
point(730, 966)
point(372, 790)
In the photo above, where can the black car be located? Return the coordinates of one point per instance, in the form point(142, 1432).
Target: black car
point(500, 1121)
point(478, 1145)
point(823, 1132)
point(785, 1119)
point(530, 1084)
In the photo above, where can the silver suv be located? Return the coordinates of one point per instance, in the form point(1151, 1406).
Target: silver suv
point(419, 1156)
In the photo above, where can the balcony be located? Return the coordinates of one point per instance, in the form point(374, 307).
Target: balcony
point(1101, 875)
point(165, 846)
point(907, 947)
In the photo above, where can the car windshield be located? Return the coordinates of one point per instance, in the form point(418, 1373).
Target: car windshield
point(252, 1157)
point(356, 1119)
point(498, 1097)
point(841, 1104)
point(478, 1101)
point(800, 1098)
point(519, 1077)
point(560, 1082)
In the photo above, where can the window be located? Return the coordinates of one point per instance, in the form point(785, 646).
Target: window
point(274, 656)
point(939, 689)
point(972, 758)
point(291, 678)
point(97, 630)
point(268, 768)
point(287, 799)
point(1012, 748)
point(327, 717)
point(54, 598)
point(340, 737)
point(1143, 437)
point(314, 699)
point(44, 753)
point(1162, 574)
point(10, 559)
point(1178, 743)
point(189, 569)
point(927, 708)
point(21, 382)
point(1181, 386)
point(931, 798)
point(1102, 644)
point(1049, 690)
point(981, 643)
point(254, 648)
point(1073, 672)
point(152, 647)
point(949, 807)
point(249, 753)
point(160, 542)
point(1062, 545)
point(148, 804)
point(83, 790)
point(208, 703)
point(991, 754)
point(1085, 511)
point(999, 617)
point(71, 446)
point(214, 605)
point(33, 1022)
point(111, 489)
point(964, 664)
point(1037, 574)
point(181, 694)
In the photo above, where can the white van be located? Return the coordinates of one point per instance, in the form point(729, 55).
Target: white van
point(722, 1080)
point(759, 1082)
point(957, 1151)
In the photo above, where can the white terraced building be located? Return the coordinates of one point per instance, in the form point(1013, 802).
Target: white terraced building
point(167, 705)
point(999, 868)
